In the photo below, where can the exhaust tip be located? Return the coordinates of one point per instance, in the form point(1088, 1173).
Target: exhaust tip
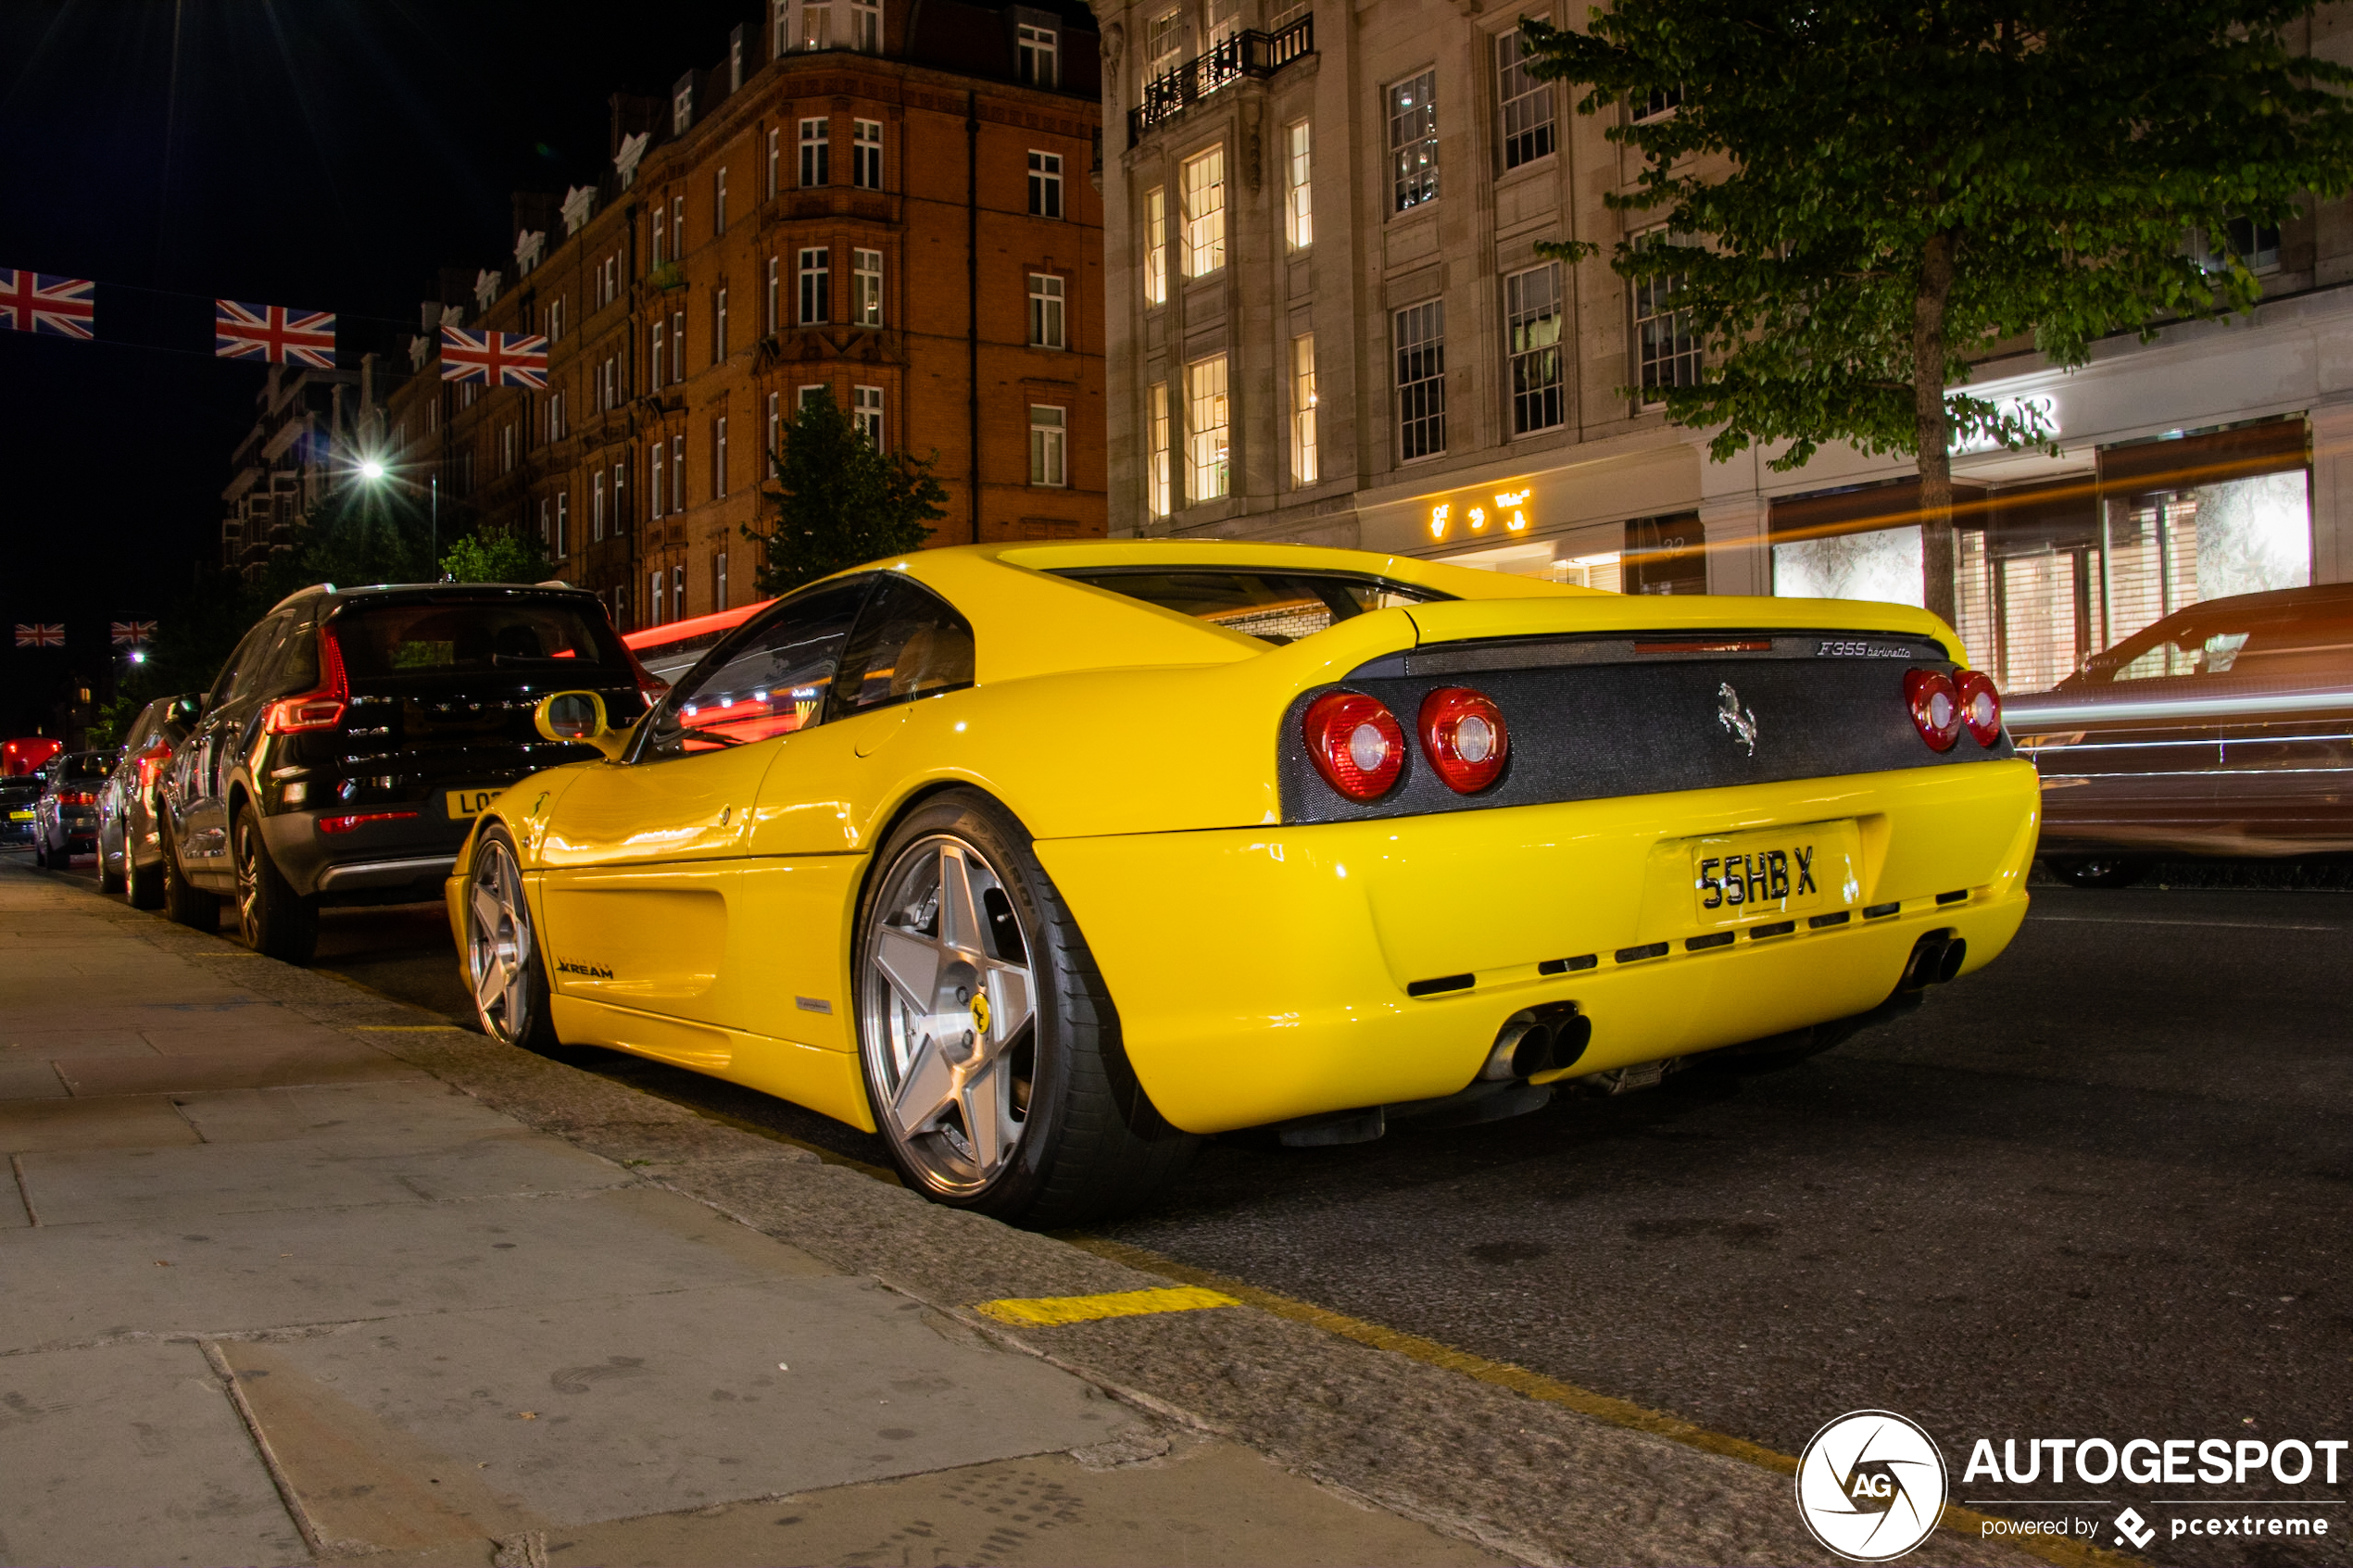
point(1936, 958)
point(1540, 1039)
point(1949, 964)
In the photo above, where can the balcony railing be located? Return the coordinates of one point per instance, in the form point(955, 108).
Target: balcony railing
point(1244, 54)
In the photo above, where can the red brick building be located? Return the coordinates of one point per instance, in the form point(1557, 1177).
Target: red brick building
point(894, 204)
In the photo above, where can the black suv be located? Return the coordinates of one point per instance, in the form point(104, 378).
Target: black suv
point(354, 734)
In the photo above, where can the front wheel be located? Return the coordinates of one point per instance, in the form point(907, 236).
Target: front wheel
point(272, 917)
point(991, 1049)
point(503, 967)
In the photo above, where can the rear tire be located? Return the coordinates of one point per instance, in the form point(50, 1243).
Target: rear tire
point(185, 903)
point(1025, 1109)
point(500, 958)
point(274, 919)
point(2098, 870)
point(142, 884)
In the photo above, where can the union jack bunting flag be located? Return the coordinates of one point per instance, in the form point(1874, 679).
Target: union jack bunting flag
point(494, 359)
point(35, 302)
point(40, 636)
point(273, 333)
point(131, 633)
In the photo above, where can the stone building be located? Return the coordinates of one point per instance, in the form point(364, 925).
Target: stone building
point(893, 204)
point(1329, 322)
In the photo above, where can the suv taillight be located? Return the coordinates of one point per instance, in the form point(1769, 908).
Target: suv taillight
point(320, 709)
point(1355, 743)
point(1981, 705)
point(1463, 737)
point(151, 763)
point(1936, 706)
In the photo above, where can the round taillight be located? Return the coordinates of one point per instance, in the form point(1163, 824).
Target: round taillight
point(1981, 705)
point(1463, 737)
point(1355, 743)
point(1936, 706)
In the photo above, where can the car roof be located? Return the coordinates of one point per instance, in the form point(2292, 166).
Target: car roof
point(431, 591)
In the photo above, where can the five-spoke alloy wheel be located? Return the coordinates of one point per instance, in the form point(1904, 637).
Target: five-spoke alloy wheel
point(503, 970)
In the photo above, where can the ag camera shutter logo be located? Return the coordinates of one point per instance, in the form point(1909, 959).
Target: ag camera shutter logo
point(1872, 1485)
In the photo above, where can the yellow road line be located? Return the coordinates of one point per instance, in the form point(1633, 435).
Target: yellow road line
point(1045, 1310)
point(2061, 1551)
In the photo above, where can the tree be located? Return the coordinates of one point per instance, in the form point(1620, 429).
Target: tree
point(1856, 199)
point(496, 555)
point(838, 502)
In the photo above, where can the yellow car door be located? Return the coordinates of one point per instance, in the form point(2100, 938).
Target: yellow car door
point(645, 895)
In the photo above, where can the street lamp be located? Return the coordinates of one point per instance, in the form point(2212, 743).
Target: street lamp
point(372, 470)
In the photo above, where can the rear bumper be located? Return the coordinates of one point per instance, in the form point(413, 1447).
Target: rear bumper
point(370, 862)
point(1262, 974)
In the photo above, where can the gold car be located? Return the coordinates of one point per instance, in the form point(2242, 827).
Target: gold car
point(1046, 860)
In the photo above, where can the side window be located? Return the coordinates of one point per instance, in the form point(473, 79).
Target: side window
point(769, 680)
point(235, 676)
point(910, 643)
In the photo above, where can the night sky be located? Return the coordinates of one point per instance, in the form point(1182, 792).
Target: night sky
point(323, 153)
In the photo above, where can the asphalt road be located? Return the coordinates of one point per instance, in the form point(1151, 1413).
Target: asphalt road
point(2097, 1191)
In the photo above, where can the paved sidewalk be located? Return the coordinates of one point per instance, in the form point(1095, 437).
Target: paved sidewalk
point(274, 1295)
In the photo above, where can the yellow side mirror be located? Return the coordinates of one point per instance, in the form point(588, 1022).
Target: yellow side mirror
point(579, 717)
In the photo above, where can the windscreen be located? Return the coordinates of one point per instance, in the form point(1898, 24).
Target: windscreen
point(86, 767)
point(2223, 640)
point(490, 636)
point(1274, 607)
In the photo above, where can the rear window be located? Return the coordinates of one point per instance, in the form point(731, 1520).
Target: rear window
point(89, 767)
point(481, 637)
point(1275, 607)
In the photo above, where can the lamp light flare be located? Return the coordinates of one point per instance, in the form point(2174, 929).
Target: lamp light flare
point(372, 470)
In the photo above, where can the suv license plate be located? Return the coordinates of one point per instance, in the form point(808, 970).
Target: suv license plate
point(466, 803)
point(1755, 879)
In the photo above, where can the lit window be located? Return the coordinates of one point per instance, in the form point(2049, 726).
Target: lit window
point(1045, 311)
point(1157, 246)
point(866, 411)
point(1533, 317)
point(817, 286)
point(1156, 497)
point(1045, 184)
point(866, 288)
point(1035, 49)
point(1421, 380)
point(1047, 465)
point(1206, 213)
point(816, 25)
point(1524, 103)
point(816, 154)
point(1298, 194)
point(865, 155)
point(1412, 140)
point(1206, 427)
point(1303, 409)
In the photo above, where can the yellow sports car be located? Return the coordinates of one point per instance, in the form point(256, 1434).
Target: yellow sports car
point(1047, 859)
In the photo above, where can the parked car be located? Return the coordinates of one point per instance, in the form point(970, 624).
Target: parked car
point(2225, 729)
point(19, 806)
point(353, 735)
point(130, 842)
point(1044, 860)
point(65, 821)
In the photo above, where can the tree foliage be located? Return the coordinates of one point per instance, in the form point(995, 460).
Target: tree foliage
point(837, 502)
point(1854, 199)
point(496, 555)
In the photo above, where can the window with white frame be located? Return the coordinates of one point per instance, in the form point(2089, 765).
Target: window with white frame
point(662, 471)
point(1034, 49)
point(816, 153)
point(816, 24)
point(678, 472)
point(653, 597)
point(1204, 193)
point(814, 395)
point(1420, 342)
point(678, 346)
point(866, 288)
point(1666, 354)
point(1048, 459)
point(597, 507)
point(775, 157)
point(1658, 101)
point(544, 536)
point(1207, 429)
point(865, 155)
point(866, 26)
point(1523, 104)
point(677, 228)
point(661, 234)
point(719, 325)
point(1045, 311)
point(1298, 192)
point(1157, 499)
point(563, 524)
point(866, 412)
point(719, 200)
point(1045, 184)
point(816, 285)
point(776, 430)
point(1412, 140)
point(1225, 21)
point(775, 293)
point(621, 496)
point(1532, 329)
point(719, 581)
point(1156, 246)
point(1163, 41)
point(1304, 469)
point(682, 110)
point(780, 24)
point(719, 458)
